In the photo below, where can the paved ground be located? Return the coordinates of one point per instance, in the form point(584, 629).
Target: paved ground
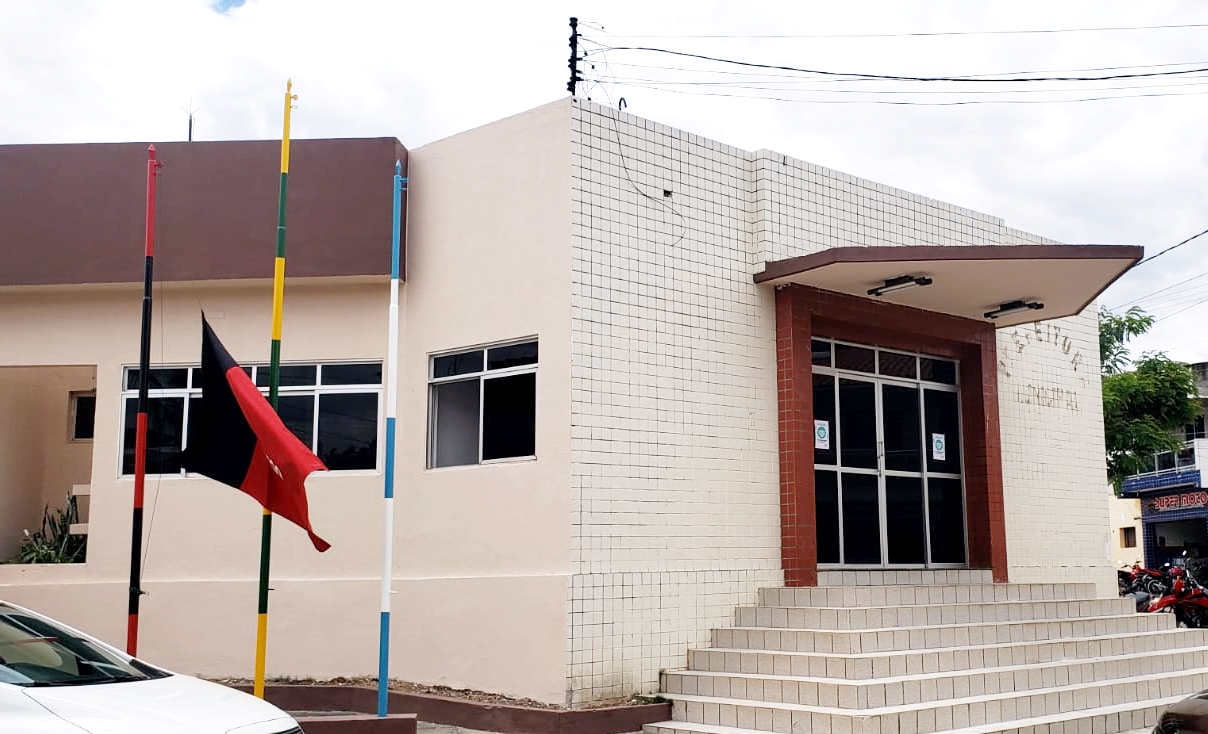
point(425, 728)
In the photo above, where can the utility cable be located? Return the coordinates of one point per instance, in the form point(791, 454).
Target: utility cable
point(897, 77)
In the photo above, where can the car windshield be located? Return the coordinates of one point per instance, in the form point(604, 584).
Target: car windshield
point(36, 652)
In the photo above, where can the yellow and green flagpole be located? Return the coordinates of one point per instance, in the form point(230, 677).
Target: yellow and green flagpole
point(274, 372)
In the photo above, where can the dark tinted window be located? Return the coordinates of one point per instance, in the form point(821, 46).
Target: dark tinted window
point(457, 364)
point(857, 359)
point(352, 374)
point(165, 426)
point(515, 355)
point(509, 415)
point(898, 365)
point(159, 378)
point(937, 370)
point(820, 353)
point(826, 501)
point(85, 417)
point(292, 375)
point(348, 431)
point(824, 410)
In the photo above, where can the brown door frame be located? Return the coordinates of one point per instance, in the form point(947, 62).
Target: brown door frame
point(803, 313)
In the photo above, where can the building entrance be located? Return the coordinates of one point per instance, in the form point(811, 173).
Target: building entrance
point(888, 480)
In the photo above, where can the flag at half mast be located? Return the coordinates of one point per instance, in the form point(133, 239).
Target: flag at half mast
point(238, 439)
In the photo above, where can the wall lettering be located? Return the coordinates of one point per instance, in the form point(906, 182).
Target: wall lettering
point(1046, 333)
point(1047, 397)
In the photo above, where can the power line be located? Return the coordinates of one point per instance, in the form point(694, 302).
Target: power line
point(1172, 247)
point(896, 77)
point(942, 33)
point(913, 104)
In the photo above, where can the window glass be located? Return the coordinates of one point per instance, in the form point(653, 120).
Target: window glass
point(826, 502)
point(820, 352)
point(509, 416)
point(515, 355)
point(905, 520)
point(455, 423)
point(160, 378)
point(292, 375)
point(900, 416)
point(937, 370)
point(893, 364)
point(942, 416)
point(347, 424)
point(298, 414)
point(457, 364)
point(84, 420)
point(348, 430)
point(946, 513)
point(861, 519)
point(35, 651)
point(165, 426)
point(858, 423)
point(824, 410)
point(352, 374)
point(857, 359)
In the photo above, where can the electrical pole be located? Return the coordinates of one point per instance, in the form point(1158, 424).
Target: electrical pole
point(574, 57)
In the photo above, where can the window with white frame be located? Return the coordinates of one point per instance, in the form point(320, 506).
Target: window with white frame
point(482, 405)
point(332, 408)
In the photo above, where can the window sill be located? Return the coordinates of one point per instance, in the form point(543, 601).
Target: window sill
point(481, 464)
point(181, 477)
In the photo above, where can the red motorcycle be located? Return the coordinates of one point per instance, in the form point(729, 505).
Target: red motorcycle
point(1152, 581)
point(1187, 600)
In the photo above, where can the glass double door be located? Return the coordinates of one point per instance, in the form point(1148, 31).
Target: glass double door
point(888, 479)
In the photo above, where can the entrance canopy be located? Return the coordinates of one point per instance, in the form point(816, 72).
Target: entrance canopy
point(1005, 285)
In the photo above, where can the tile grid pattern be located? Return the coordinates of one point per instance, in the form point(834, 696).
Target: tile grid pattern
point(966, 656)
point(674, 477)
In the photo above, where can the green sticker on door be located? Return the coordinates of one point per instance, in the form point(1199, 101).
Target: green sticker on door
point(822, 435)
point(938, 450)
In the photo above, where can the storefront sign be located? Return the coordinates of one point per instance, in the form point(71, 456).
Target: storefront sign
point(822, 435)
point(1187, 500)
point(938, 450)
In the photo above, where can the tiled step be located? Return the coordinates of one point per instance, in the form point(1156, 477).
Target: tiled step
point(934, 636)
point(905, 578)
point(926, 687)
point(861, 666)
point(861, 618)
point(1132, 718)
point(935, 716)
point(892, 595)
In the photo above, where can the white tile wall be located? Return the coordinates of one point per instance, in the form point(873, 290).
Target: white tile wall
point(675, 496)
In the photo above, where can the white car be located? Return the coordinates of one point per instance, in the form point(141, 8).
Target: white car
point(57, 680)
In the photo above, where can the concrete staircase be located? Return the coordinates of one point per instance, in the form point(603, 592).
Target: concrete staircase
point(915, 652)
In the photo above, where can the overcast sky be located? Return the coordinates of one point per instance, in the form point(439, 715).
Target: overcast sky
point(1120, 171)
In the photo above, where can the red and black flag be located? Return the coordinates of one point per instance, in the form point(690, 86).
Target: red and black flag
point(238, 439)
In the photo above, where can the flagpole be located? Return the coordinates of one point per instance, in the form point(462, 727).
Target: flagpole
point(274, 381)
point(140, 440)
point(391, 415)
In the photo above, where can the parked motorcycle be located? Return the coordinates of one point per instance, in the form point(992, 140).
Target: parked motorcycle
point(1187, 599)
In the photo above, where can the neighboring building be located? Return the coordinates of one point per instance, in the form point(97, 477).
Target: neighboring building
point(1125, 517)
point(643, 375)
point(1173, 503)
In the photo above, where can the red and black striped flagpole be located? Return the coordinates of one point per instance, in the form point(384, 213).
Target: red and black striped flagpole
point(140, 440)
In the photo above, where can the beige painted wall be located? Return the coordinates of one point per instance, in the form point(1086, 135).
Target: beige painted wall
point(1125, 512)
point(478, 550)
point(38, 460)
point(489, 260)
point(22, 445)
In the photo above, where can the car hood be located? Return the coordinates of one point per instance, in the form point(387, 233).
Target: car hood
point(177, 703)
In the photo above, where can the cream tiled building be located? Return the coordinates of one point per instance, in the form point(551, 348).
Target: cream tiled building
point(651, 386)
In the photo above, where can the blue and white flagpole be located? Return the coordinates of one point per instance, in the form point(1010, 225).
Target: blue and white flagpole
point(391, 415)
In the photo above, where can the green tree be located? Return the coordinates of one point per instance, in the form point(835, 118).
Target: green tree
point(1146, 407)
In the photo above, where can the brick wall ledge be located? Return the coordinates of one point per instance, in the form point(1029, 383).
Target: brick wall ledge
point(466, 713)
